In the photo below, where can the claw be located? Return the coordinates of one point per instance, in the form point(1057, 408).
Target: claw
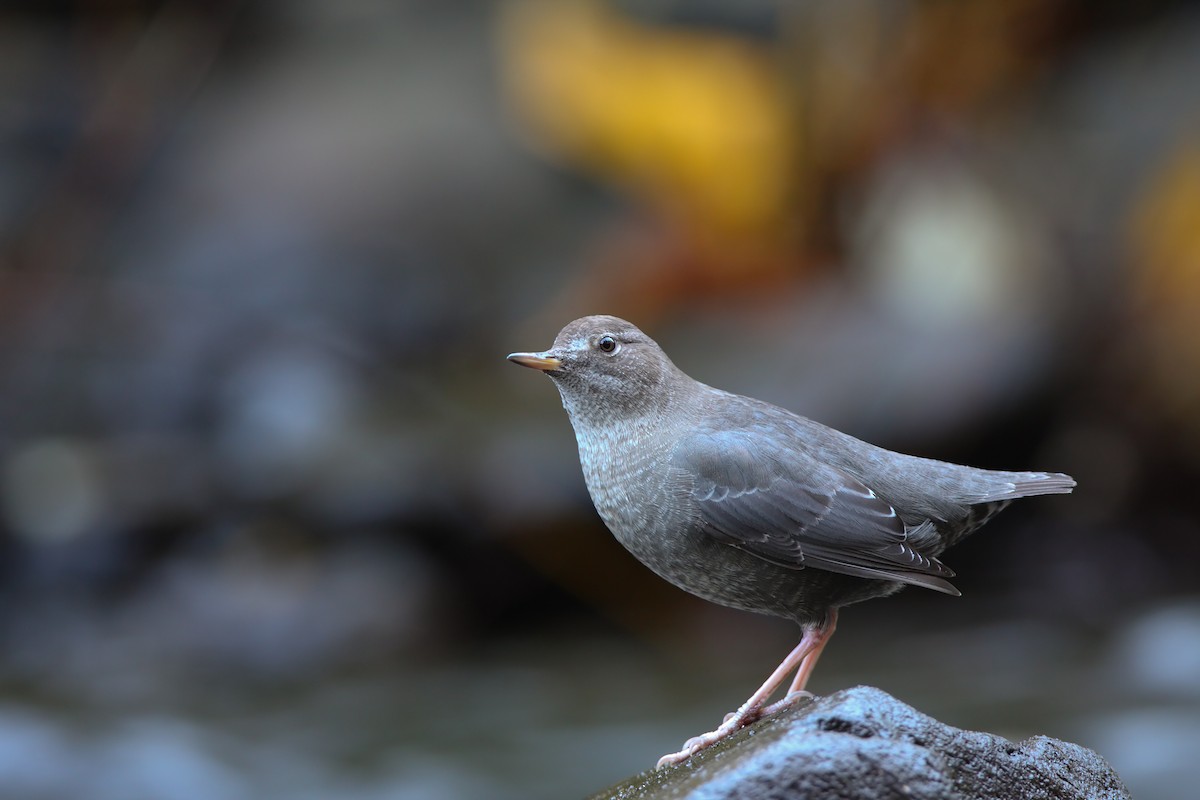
point(733, 721)
point(792, 699)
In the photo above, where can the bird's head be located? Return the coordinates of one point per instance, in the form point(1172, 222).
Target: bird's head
point(606, 368)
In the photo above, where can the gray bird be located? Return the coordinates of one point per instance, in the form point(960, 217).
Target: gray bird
point(751, 506)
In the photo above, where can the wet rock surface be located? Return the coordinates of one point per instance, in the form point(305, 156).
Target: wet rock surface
point(862, 743)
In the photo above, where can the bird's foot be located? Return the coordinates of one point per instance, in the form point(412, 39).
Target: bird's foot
point(733, 721)
point(792, 699)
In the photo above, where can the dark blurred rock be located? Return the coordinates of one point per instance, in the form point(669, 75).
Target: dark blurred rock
point(863, 743)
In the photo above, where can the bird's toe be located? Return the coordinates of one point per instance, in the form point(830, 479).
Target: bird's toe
point(791, 700)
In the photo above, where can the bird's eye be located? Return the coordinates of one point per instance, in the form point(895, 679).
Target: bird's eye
point(607, 344)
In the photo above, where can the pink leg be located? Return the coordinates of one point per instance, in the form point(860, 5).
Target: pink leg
point(796, 691)
point(804, 655)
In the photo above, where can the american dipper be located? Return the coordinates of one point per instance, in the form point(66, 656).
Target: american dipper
point(751, 506)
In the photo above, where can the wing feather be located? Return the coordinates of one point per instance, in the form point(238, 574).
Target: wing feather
point(790, 509)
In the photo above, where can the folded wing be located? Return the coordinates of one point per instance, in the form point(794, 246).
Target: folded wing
point(790, 509)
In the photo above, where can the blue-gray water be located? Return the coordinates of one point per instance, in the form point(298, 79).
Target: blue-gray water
point(563, 715)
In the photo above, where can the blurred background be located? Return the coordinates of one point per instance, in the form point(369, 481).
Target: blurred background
point(278, 520)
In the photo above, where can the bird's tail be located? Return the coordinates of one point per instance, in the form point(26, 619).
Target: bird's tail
point(1011, 485)
point(1027, 484)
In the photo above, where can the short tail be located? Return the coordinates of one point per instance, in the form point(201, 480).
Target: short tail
point(1034, 483)
point(1026, 484)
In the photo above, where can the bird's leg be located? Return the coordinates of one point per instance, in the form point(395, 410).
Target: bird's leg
point(796, 691)
point(814, 638)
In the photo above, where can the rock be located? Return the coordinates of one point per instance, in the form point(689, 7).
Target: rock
point(864, 744)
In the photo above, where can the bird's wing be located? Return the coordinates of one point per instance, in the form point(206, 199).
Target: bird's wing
point(792, 510)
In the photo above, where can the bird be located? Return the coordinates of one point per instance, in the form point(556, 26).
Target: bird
point(750, 506)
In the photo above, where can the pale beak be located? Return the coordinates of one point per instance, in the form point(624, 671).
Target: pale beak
point(545, 363)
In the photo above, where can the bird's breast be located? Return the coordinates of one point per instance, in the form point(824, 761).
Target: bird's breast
point(626, 475)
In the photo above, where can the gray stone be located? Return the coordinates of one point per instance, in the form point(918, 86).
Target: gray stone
point(864, 744)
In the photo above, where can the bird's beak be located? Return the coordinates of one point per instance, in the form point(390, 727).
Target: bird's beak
point(546, 363)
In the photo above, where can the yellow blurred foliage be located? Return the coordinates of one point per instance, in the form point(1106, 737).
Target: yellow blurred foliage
point(696, 122)
point(1165, 241)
